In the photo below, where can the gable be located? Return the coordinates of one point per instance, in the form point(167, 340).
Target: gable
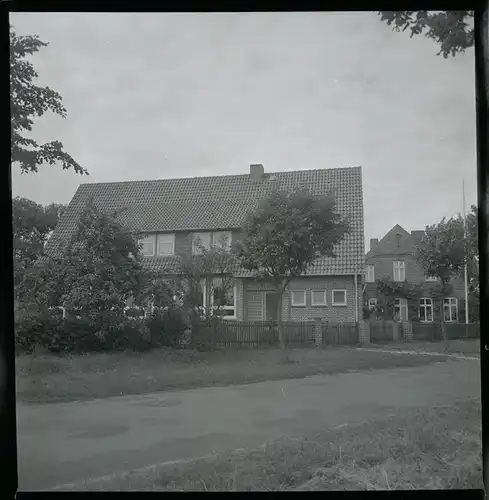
point(220, 202)
point(397, 241)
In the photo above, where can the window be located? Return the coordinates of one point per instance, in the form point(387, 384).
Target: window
point(372, 304)
point(318, 297)
point(166, 244)
point(148, 243)
point(298, 298)
point(222, 239)
point(224, 299)
point(450, 310)
point(399, 270)
point(430, 278)
point(425, 309)
point(339, 298)
point(401, 309)
point(199, 240)
point(370, 274)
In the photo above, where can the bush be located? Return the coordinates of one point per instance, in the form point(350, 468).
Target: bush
point(166, 327)
point(35, 327)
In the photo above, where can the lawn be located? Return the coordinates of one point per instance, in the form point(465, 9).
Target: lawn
point(45, 378)
point(469, 347)
point(435, 448)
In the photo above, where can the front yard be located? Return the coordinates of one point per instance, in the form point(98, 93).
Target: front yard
point(45, 378)
point(435, 448)
point(469, 347)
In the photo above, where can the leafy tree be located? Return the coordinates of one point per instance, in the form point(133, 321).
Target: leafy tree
point(285, 235)
point(99, 271)
point(28, 101)
point(32, 224)
point(447, 246)
point(214, 267)
point(452, 30)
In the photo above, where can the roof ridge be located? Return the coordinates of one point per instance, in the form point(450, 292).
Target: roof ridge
point(221, 176)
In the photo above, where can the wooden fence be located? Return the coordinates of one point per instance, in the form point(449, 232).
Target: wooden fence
point(263, 333)
point(433, 331)
point(340, 333)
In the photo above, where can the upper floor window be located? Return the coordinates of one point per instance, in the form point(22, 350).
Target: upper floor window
point(199, 241)
point(148, 243)
point(166, 244)
point(399, 270)
point(220, 239)
point(370, 273)
point(430, 278)
point(450, 310)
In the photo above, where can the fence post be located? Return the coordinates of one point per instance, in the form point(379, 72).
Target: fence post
point(318, 332)
point(396, 331)
point(364, 332)
point(407, 331)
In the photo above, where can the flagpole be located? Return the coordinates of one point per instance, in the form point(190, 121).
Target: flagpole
point(465, 266)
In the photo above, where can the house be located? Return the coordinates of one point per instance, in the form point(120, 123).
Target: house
point(393, 259)
point(173, 214)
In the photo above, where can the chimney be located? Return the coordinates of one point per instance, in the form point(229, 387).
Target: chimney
point(417, 235)
point(374, 242)
point(256, 171)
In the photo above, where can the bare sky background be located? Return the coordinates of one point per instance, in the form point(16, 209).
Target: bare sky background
point(177, 95)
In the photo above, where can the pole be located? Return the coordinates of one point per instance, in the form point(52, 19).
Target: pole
point(465, 265)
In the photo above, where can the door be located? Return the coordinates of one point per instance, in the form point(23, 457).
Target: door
point(271, 303)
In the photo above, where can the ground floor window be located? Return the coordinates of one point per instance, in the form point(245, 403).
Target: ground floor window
point(426, 309)
point(401, 309)
point(219, 296)
point(450, 309)
point(339, 298)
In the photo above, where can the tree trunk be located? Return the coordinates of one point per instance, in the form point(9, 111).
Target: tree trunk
point(279, 320)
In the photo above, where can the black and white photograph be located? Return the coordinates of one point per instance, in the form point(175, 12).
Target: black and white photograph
point(246, 251)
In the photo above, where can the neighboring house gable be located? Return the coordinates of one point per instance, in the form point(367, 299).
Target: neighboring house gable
point(394, 258)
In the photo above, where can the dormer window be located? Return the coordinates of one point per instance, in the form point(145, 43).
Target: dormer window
point(148, 243)
point(219, 239)
point(166, 244)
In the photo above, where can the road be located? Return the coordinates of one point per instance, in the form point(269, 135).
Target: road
point(64, 443)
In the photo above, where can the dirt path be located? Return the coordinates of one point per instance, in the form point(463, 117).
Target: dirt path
point(60, 444)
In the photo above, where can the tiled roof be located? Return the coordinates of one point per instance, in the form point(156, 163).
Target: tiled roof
point(221, 202)
point(389, 244)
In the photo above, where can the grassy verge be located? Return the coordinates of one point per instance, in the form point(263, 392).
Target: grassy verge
point(44, 378)
point(469, 347)
point(437, 448)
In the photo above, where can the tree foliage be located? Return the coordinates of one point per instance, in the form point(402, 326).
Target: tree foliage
point(32, 224)
point(285, 235)
point(28, 101)
point(452, 30)
point(446, 247)
point(99, 271)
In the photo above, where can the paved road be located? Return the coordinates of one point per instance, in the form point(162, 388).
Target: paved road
point(70, 442)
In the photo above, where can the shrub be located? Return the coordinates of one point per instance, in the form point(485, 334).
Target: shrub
point(166, 327)
point(35, 327)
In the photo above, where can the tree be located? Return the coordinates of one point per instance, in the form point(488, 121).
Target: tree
point(446, 247)
point(28, 101)
point(285, 235)
point(32, 224)
point(99, 271)
point(214, 267)
point(453, 30)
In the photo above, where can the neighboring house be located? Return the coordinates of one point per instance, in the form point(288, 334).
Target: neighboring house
point(393, 257)
point(175, 213)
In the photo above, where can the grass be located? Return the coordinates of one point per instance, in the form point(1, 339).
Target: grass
point(436, 448)
point(46, 378)
point(468, 347)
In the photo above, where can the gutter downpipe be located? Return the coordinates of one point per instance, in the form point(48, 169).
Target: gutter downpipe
point(355, 281)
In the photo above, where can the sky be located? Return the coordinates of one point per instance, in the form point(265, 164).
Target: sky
point(165, 95)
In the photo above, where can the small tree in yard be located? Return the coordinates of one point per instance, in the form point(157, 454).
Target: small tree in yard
point(210, 265)
point(445, 249)
point(285, 235)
